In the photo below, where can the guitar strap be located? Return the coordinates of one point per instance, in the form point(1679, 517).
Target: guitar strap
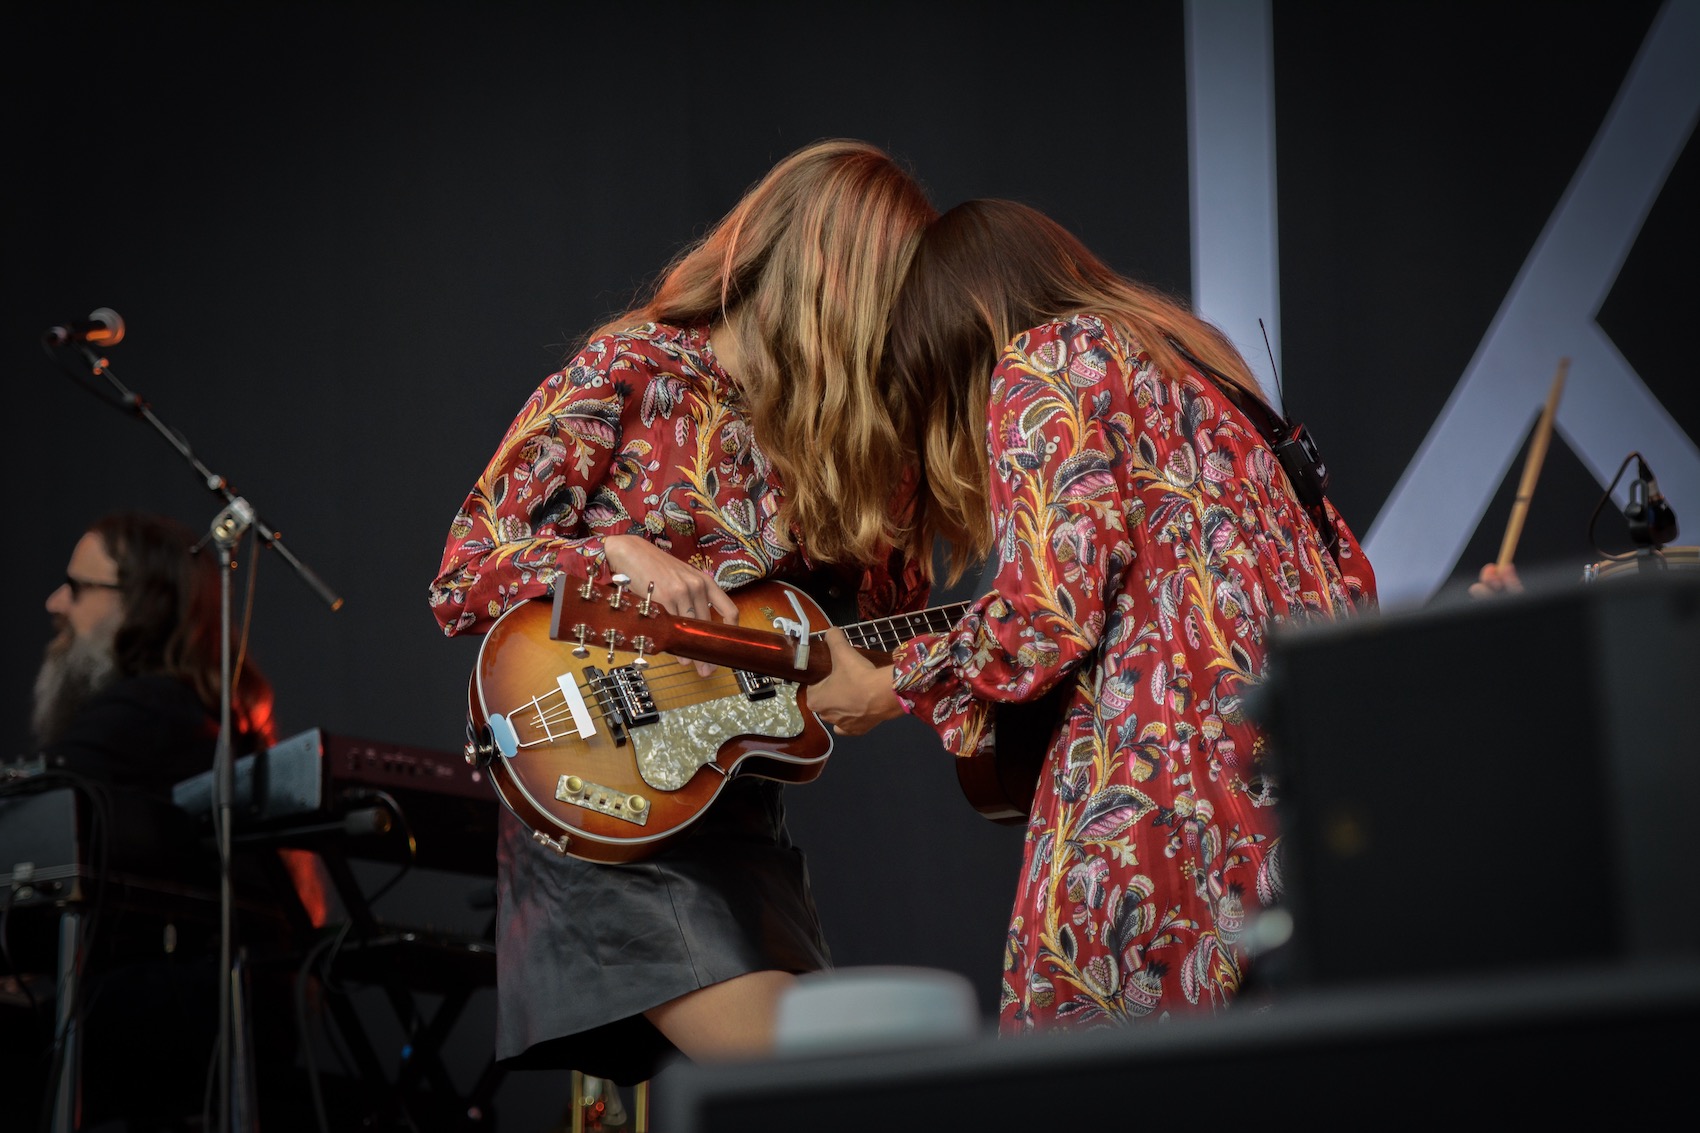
point(1022, 732)
point(1292, 445)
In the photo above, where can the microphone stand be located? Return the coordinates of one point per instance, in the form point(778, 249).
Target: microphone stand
point(235, 1093)
point(1651, 522)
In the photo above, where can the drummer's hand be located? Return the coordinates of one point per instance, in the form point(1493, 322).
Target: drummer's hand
point(680, 588)
point(1494, 580)
point(857, 694)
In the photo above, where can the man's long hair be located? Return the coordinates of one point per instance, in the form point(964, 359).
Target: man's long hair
point(986, 271)
point(170, 596)
point(810, 260)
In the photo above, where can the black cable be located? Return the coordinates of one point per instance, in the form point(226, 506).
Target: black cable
point(335, 943)
point(301, 1026)
point(1605, 498)
point(400, 814)
point(396, 810)
point(328, 965)
point(247, 615)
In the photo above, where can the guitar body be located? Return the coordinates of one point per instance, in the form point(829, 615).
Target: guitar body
point(611, 760)
point(1001, 783)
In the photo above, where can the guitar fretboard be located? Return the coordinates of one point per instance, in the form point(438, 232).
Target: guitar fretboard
point(886, 634)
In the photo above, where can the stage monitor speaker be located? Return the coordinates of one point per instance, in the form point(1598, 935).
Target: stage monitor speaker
point(1574, 1046)
point(1490, 785)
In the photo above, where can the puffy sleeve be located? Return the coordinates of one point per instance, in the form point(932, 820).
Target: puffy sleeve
point(1062, 542)
point(524, 521)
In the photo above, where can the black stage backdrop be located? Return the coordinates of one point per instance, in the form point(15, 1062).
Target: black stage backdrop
point(348, 240)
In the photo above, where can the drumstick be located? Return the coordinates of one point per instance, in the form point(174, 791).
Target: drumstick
point(1532, 466)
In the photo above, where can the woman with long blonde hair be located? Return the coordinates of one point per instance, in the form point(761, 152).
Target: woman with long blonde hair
point(730, 428)
point(1101, 446)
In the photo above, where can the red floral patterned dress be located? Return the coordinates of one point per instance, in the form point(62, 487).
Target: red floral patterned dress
point(643, 434)
point(1146, 538)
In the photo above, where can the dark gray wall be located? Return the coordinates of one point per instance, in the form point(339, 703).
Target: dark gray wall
point(348, 241)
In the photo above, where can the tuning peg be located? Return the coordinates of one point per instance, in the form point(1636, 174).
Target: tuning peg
point(643, 645)
point(587, 590)
point(612, 637)
point(621, 581)
point(580, 631)
point(648, 600)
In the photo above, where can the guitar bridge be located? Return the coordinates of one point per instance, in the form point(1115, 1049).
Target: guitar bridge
point(631, 691)
point(624, 697)
point(755, 686)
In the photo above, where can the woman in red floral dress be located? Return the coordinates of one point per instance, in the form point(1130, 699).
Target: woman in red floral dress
point(729, 429)
point(1144, 539)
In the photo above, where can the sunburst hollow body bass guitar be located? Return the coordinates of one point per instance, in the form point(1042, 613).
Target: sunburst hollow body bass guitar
point(608, 749)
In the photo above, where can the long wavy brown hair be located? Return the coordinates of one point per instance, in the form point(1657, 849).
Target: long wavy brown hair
point(986, 271)
point(170, 595)
point(806, 268)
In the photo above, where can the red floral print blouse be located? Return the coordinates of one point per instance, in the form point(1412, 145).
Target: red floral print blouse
point(1147, 537)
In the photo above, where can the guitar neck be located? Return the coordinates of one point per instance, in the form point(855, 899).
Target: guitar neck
point(883, 635)
point(584, 616)
point(762, 651)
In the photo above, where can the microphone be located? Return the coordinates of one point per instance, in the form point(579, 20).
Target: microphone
point(103, 327)
point(1651, 520)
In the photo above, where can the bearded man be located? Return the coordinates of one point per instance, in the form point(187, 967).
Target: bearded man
point(128, 692)
point(127, 702)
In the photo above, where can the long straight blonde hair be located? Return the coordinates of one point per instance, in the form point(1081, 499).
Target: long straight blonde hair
point(810, 261)
point(987, 270)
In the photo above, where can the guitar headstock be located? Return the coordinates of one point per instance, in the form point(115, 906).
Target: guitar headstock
point(610, 616)
point(589, 614)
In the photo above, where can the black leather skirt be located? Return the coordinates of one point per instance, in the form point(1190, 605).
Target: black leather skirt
point(582, 950)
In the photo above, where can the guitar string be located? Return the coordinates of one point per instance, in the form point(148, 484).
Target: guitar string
point(662, 684)
point(545, 717)
point(900, 627)
point(924, 621)
point(548, 716)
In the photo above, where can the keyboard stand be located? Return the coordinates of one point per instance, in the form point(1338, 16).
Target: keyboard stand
point(404, 964)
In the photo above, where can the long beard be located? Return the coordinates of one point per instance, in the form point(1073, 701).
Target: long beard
point(71, 672)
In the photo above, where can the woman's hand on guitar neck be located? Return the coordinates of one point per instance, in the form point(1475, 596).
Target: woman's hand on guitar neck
point(679, 587)
point(857, 694)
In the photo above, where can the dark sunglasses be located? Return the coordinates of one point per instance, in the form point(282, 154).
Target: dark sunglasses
point(78, 585)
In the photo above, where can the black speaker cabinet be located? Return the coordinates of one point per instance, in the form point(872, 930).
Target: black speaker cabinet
point(1491, 785)
point(1486, 819)
point(1574, 1046)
